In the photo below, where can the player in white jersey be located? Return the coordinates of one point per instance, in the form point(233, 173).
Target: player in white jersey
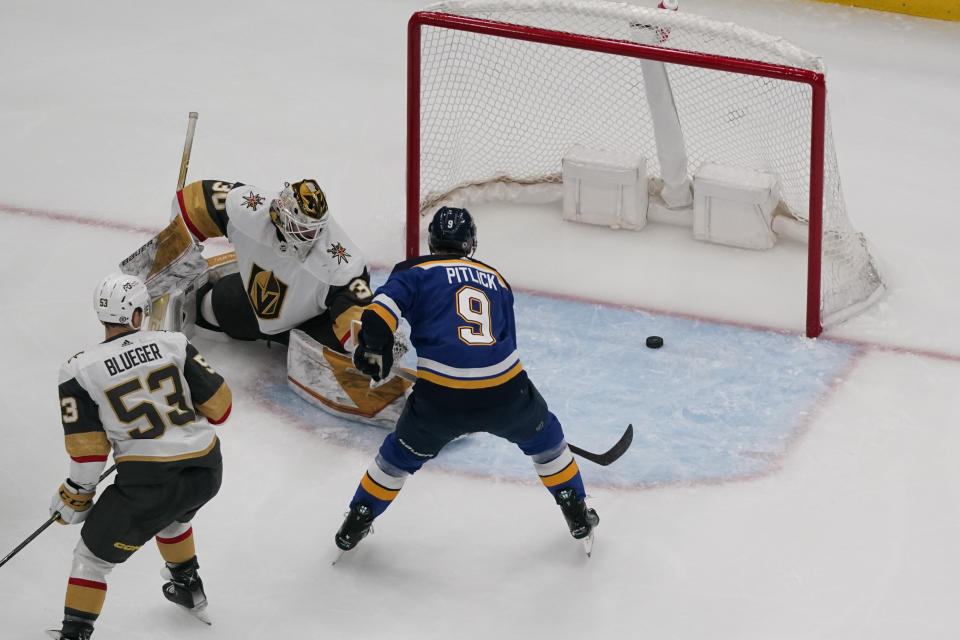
point(298, 272)
point(151, 399)
point(297, 267)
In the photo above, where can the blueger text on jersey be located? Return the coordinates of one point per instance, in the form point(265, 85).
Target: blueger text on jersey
point(127, 360)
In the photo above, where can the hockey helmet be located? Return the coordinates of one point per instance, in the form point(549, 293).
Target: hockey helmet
point(300, 214)
point(118, 296)
point(452, 230)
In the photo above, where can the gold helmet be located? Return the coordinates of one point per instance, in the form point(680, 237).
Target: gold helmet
point(300, 213)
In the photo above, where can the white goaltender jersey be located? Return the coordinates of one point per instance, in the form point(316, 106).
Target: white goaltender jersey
point(283, 290)
point(150, 397)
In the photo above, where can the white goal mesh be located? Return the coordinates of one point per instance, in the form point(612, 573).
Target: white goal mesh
point(501, 90)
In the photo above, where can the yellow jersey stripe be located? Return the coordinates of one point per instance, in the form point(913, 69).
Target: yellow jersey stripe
point(458, 383)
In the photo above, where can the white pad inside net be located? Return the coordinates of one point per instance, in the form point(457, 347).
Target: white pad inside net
point(504, 111)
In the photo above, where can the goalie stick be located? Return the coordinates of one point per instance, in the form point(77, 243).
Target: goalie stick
point(173, 253)
point(187, 146)
point(171, 261)
point(50, 521)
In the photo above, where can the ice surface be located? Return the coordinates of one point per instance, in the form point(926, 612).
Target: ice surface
point(776, 488)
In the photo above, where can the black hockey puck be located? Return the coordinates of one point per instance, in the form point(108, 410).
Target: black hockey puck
point(654, 342)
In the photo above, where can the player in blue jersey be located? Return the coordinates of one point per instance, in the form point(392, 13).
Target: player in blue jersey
point(469, 376)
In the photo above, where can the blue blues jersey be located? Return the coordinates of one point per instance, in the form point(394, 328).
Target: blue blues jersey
point(462, 325)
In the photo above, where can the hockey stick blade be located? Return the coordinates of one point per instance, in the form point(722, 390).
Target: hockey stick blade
point(612, 454)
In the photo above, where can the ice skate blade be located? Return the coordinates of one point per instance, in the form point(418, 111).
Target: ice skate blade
point(200, 613)
point(339, 554)
point(588, 544)
point(55, 634)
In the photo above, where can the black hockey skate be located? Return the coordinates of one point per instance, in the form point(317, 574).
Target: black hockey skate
point(185, 588)
point(580, 519)
point(355, 527)
point(72, 630)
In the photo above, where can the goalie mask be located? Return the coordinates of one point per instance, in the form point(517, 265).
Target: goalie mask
point(452, 230)
point(118, 296)
point(300, 214)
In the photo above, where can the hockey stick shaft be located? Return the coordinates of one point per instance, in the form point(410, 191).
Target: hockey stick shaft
point(187, 147)
point(50, 521)
point(610, 455)
point(161, 253)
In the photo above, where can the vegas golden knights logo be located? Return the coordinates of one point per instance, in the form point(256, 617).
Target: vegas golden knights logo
point(266, 292)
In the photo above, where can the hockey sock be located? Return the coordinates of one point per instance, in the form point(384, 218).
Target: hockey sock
point(84, 600)
point(379, 486)
point(559, 471)
point(176, 543)
point(86, 587)
point(553, 459)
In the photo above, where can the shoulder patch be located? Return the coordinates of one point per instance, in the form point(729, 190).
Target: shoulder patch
point(252, 200)
point(339, 253)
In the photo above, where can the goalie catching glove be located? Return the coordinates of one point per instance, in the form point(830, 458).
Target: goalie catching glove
point(71, 502)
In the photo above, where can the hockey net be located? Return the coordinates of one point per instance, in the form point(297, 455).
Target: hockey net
point(499, 91)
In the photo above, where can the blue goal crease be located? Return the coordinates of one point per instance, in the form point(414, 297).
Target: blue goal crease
point(716, 402)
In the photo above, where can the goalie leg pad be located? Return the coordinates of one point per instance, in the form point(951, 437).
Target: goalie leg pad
point(326, 379)
point(176, 296)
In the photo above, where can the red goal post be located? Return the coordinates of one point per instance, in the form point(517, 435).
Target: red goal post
point(546, 57)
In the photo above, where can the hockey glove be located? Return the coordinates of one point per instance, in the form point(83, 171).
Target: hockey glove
point(375, 363)
point(72, 502)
